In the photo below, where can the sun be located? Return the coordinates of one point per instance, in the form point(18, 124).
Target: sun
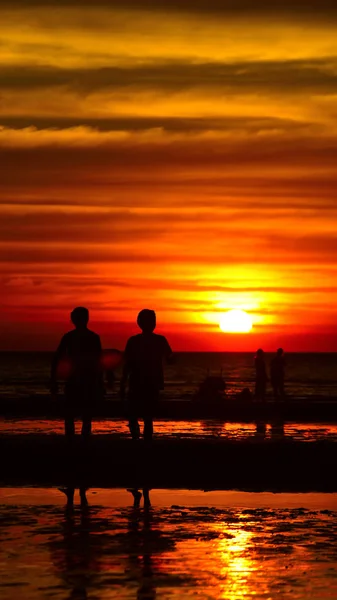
point(236, 321)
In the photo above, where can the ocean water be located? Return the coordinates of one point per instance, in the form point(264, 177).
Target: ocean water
point(307, 374)
point(188, 544)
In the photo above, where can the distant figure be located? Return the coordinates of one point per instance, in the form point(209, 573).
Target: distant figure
point(245, 395)
point(111, 359)
point(260, 376)
point(78, 361)
point(143, 369)
point(277, 374)
point(212, 389)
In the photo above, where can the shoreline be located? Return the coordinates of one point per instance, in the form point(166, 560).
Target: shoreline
point(309, 410)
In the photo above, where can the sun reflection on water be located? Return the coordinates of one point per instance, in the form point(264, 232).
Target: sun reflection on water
point(168, 551)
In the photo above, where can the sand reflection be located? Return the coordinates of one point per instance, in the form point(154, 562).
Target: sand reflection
point(117, 548)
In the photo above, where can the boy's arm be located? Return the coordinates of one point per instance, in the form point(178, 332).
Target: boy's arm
point(59, 354)
point(99, 355)
point(126, 370)
point(168, 354)
point(100, 366)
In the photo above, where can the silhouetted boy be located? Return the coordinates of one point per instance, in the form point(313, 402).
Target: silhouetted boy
point(143, 368)
point(260, 376)
point(80, 352)
point(277, 374)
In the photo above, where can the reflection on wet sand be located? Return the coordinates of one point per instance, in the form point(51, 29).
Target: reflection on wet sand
point(79, 551)
point(76, 560)
point(177, 429)
point(275, 430)
point(90, 556)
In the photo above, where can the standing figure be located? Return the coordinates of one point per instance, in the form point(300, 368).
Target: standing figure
point(277, 374)
point(260, 376)
point(78, 361)
point(143, 370)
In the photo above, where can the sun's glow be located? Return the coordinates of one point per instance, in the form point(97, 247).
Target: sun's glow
point(236, 321)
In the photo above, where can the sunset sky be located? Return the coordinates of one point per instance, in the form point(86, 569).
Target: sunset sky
point(171, 154)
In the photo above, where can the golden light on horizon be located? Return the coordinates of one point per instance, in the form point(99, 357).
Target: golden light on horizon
point(236, 321)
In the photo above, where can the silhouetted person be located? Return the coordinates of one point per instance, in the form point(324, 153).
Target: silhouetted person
point(277, 374)
point(79, 353)
point(245, 395)
point(143, 369)
point(211, 390)
point(260, 376)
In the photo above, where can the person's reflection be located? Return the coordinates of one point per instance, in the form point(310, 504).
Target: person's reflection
point(212, 428)
point(141, 542)
point(261, 429)
point(144, 543)
point(276, 429)
point(75, 556)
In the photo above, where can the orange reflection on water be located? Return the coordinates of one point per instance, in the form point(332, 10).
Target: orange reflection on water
point(235, 564)
point(182, 429)
point(176, 549)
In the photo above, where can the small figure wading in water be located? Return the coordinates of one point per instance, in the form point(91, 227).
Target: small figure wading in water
point(260, 376)
point(277, 375)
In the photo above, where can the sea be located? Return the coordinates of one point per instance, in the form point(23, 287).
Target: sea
point(307, 374)
point(233, 545)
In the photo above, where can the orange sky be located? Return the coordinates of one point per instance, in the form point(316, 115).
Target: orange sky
point(179, 156)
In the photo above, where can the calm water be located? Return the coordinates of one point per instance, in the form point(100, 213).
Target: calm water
point(22, 374)
point(212, 545)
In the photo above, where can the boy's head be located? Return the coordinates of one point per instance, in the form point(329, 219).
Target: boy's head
point(80, 316)
point(146, 320)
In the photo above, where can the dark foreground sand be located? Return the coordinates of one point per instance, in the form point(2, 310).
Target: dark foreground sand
point(107, 461)
point(310, 409)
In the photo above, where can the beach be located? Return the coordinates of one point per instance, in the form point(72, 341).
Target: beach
point(243, 494)
point(211, 545)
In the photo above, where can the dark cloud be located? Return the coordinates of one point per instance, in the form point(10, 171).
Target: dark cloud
point(256, 247)
point(300, 76)
point(100, 227)
point(119, 163)
point(168, 124)
point(100, 284)
point(295, 7)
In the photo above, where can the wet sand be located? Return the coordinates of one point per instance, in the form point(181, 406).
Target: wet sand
point(188, 544)
point(204, 429)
